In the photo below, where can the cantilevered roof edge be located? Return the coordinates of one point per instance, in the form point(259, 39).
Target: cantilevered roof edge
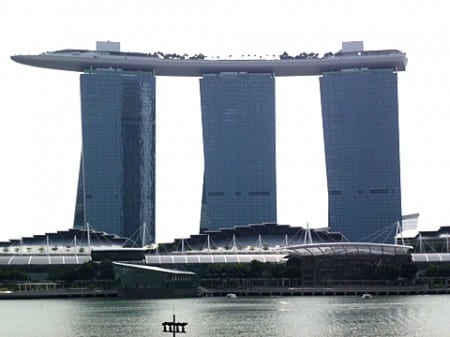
point(197, 68)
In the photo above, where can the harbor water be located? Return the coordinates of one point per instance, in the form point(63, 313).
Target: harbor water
point(396, 316)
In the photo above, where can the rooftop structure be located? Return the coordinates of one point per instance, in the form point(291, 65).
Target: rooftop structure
point(349, 248)
point(73, 237)
point(154, 269)
point(252, 238)
point(174, 65)
point(43, 260)
point(202, 258)
point(430, 257)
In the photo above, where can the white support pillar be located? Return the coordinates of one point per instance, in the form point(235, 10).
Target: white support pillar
point(420, 243)
point(143, 234)
point(48, 244)
point(88, 236)
point(234, 246)
point(75, 244)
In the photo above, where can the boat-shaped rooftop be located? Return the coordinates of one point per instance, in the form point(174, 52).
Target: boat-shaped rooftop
point(198, 65)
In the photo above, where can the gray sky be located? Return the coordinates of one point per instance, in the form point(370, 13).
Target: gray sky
point(40, 127)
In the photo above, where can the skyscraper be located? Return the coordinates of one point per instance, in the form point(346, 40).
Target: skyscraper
point(118, 156)
point(360, 124)
point(360, 120)
point(238, 116)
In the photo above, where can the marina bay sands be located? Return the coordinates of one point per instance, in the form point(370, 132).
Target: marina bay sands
point(116, 187)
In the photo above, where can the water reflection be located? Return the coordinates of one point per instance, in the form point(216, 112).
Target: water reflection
point(412, 316)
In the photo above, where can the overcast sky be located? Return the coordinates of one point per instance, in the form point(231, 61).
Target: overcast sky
point(40, 127)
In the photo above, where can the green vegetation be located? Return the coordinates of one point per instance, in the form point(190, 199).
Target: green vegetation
point(13, 275)
point(437, 270)
point(393, 272)
point(302, 56)
point(254, 269)
point(88, 271)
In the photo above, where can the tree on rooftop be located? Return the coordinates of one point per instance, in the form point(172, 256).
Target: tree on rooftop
point(284, 56)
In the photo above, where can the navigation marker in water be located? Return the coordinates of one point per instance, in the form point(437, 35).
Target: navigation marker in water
point(174, 327)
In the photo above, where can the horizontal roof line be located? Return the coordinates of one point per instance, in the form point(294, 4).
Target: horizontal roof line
point(197, 68)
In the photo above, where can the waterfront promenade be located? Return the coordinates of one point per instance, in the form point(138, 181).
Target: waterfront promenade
point(325, 291)
point(57, 293)
point(263, 291)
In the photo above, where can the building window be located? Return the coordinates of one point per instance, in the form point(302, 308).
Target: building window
point(379, 191)
point(259, 193)
point(215, 194)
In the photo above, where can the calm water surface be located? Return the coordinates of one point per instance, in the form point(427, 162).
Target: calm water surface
point(411, 316)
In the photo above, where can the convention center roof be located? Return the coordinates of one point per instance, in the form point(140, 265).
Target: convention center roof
point(349, 248)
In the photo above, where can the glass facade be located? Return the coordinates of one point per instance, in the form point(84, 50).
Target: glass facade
point(117, 192)
point(78, 219)
point(238, 116)
point(360, 124)
point(137, 281)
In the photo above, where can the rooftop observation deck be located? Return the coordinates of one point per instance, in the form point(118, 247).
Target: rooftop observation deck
point(82, 60)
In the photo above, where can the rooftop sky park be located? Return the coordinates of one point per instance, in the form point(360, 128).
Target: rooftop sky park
point(108, 55)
